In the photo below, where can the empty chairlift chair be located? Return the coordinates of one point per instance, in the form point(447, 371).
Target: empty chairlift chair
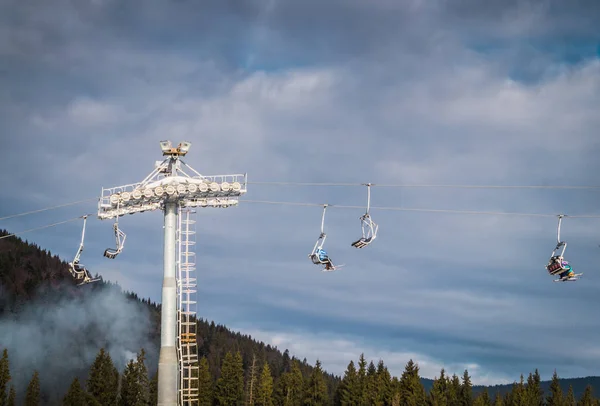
point(120, 236)
point(369, 227)
point(78, 270)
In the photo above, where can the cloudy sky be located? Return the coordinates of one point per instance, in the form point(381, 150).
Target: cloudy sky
point(389, 92)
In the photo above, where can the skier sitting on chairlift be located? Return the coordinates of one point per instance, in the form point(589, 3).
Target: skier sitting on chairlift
point(568, 271)
point(324, 258)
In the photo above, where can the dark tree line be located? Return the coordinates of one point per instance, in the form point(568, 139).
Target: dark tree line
point(104, 385)
point(254, 385)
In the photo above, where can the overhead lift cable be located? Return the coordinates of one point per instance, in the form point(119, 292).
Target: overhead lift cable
point(347, 184)
point(389, 208)
point(408, 185)
point(421, 210)
point(42, 227)
point(493, 213)
point(48, 208)
point(318, 255)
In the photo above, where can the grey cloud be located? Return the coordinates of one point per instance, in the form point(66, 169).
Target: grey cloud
point(89, 113)
point(276, 33)
point(37, 28)
point(524, 18)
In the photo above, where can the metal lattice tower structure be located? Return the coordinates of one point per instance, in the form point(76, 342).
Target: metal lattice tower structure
point(187, 344)
point(174, 188)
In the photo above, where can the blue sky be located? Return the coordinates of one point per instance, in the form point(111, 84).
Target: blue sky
point(339, 91)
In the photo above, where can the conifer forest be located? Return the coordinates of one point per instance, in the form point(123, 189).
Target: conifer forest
point(234, 369)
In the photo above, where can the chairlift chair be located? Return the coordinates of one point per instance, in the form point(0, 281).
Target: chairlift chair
point(369, 227)
point(557, 265)
point(318, 255)
point(120, 236)
point(86, 276)
point(369, 231)
point(78, 270)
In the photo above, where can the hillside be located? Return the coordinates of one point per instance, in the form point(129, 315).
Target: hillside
point(578, 385)
point(50, 325)
point(64, 326)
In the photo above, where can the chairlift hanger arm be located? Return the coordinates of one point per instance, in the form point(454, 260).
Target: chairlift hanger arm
point(323, 219)
point(560, 217)
point(78, 271)
point(120, 237)
point(81, 243)
point(368, 185)
point(368, 226)
point(322, 236)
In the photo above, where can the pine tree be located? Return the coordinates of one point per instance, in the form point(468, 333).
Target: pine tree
point(296, 391)
point(316, 392)
point(32, 396)
point(498, 400)
point(205, 390)
point(4, 377)
point(154, 390)
point(466, 390)
point(75, 396)
point(143, 383)
point(264, 396)
point(103, 380)
point(135, 385)
point(280, 385)
point(128, 385)
point(286, 363)
point(570, 397)
point(372, 388)
point(506, 399)
point(384, 379)
point(454, 387)
point(12, 396)
point(412, 391)
point(361, 390)
point(289, 388)
point(556, 397)
point(438, 396)
point(347, 391)
point(518, 395)
point(483, 399)
point(534, 394)
point(252, 380)
point(587, 399)
point(230, 386)
point(395, 389)
point(282, 389)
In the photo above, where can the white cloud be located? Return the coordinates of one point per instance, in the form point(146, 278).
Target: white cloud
point(336, 352)
point(87, 112)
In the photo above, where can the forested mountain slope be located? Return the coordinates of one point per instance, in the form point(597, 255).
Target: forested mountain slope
point(49, 324)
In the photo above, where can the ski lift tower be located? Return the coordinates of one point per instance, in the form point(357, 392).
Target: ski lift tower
point(172, 186)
